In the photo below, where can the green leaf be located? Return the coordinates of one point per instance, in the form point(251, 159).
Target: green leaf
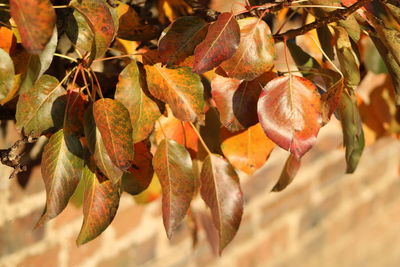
point(353, 134)
point(98, 149)
point(289, 171)
point(6, 74)
point(349, 62)
point(255, 54)
point(100, 20)
point(180, 88)
point(132, 92)
point(173, 166)
point(35, 20)
point(220, 44)
point(220, 189)
point(141, 173)
point(38, 64)
point(112, 120)
point(100, 204)
point(79, 31)
point(62, 164)
point(42, 107)
point(181, 38)
point(301, 58)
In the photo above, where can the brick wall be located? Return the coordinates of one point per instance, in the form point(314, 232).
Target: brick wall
point(325, 218)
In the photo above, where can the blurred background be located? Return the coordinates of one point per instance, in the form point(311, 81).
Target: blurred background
point(324, 218)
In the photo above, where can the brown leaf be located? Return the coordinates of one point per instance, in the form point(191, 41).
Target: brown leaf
point(289, 112)
point(220, 44)
point(173, 166)
point(248, 150)
point(180, 88)
point(35, 20)
point(181, 38)
point(112, 120)
point(220, 189)
point(255, 54)
point(289, 171)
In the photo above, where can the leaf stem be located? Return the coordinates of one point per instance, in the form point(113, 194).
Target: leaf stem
point(62, 6)
point(116, 57)
point(66, 57)
point(200, 138)
point(4, 5)
point(100, 91)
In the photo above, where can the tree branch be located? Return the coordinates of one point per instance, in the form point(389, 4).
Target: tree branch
point(334, 16)
point(12, 157)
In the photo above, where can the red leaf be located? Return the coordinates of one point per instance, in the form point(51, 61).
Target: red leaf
point(181, 38)
point(292, 165)
point(112, 120)
point(220, 189)
point(236, 100)
point(100, 204)
point(173, 166)
point(141, 173)
point(35, 20)
point(221, 42)
point(255, 54)
point(100, 20)
point(289, 112)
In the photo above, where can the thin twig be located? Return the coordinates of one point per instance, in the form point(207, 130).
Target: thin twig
point(334, 16)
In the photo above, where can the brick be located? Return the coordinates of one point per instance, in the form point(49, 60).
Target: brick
point(19, 233)
point(259, 182)
point(285, 203)
point(27, 184)
point(68, 215)
point(332, 172)
point(275, 243)
point(79, 254)
point(48, 258)
point(127, 219)
point(315, 214)
point(135, 255)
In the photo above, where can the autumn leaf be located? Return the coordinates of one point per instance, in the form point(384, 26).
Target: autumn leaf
point(79, 31)
point(289, 171)
point(112, 120)
point(42, 107)
point(255, 54)
point(132, 92)
point(220, 44)
point(236, 100)
point(100, 204)
point(173, 166)
point(8, 40)
point(98, 150)
point(100, 20)
point(220, 189)
point(6, 75)
point(62, 164)
point(132, 27)
point(353, 134)
point(140, 175)
point(289, 112)
point(181, 38)
point(180, 88)
point(35, 20)
point(248, 150)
